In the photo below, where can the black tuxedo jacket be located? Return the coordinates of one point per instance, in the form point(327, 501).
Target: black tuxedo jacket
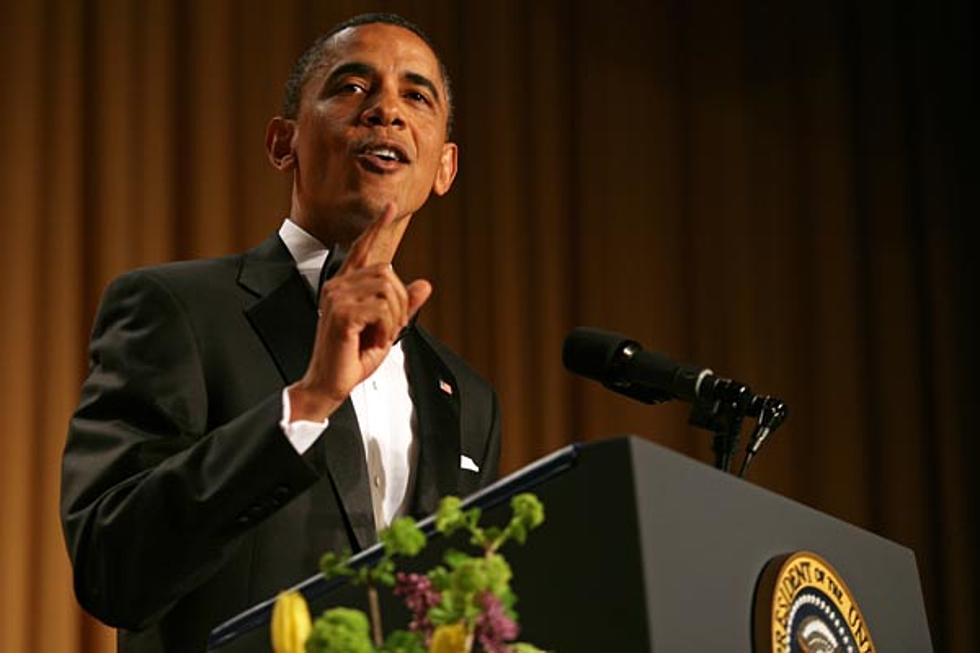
point(182, 501)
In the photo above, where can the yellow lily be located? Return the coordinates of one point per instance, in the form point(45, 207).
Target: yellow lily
point(291, 623)
point(449, 639)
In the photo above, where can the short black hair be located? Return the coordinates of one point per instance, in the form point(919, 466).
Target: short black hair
point(308, 61)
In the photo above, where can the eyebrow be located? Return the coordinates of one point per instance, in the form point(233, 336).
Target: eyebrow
point(422, 80)
point(361, 68)
point(350, 68)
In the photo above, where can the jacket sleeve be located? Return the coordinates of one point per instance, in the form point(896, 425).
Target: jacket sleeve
point(491, 457)
point(151, 498)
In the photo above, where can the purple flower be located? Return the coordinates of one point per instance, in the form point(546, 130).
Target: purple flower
point(419, 596)
point(493, 627)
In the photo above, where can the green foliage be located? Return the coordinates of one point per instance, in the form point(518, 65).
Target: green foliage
point(449, 516)
point(508, 599)
point(498, 574)
point(333, 565)
point(383, 573)
point(340, 630)
point(403, 537)
point(490, 534)
point(439, 576)
point(528, 510)
point(461, 581)
point(528, 515)
point(455, 558)
point(469, 577)
point(465, 580)
point(402, 641)
point(524, 647)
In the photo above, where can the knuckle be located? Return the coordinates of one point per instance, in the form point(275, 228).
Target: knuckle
point(331, 287)
point(388, 287)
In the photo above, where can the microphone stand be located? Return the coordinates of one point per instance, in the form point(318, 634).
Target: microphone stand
point(772, 412)
point(720, 407)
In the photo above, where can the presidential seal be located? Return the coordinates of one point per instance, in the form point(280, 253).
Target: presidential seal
point(803, 606)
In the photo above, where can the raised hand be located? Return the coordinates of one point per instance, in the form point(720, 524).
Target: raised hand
point(362, 310)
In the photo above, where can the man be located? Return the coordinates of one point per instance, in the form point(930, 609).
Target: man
point(238, 419)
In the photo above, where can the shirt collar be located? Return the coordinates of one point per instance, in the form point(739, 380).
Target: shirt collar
point(308, 252)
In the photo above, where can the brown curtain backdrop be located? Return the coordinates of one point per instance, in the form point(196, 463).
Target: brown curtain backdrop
point(777, 190)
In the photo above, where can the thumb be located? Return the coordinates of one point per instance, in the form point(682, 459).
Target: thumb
point(419, 292)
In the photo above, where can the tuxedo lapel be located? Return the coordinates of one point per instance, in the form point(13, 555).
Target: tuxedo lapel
point(286, 322)
point(341, 451)
point(436, 399)
point(283, 314)
point(284, 317)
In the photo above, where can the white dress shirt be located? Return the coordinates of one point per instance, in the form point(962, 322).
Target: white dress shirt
point(382, 403)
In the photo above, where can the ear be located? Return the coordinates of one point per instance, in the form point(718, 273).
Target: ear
point(279, 143)
point(446, 172)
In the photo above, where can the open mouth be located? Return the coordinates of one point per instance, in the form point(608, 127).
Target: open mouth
point(382, 157)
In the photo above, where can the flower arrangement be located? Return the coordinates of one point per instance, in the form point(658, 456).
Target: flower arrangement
point(464, 605)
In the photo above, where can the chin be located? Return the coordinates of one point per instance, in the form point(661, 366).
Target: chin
point(371, 206)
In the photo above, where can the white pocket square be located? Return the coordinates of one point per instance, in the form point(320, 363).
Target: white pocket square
point(465, 462)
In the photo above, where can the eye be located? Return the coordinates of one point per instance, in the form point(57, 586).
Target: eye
point(351, 88)
point(418, 96)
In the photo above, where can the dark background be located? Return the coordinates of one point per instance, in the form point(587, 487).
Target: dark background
point(780, 191)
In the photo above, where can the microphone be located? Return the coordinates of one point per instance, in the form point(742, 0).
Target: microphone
point(623, 366)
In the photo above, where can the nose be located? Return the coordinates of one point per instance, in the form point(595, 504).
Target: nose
point(382, 110)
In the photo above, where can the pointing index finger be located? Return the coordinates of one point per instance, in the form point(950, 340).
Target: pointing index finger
point(376, 244)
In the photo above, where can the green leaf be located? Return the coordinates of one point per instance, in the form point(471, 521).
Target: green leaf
point(518, 531)
point(498, 574)
point(383, 573)
point(455, 558)
point(340, 630)
point(439, 616)
point(439, 577)
point(471, 611)
point(333, 565)
point(362, 576)
point(449, 611)
point(508, 599)
point(403, 537)
point(528, 510)
point(524, 647)
point(403, 641)
point(449, 516)
point(470, 576)
point(492, 533)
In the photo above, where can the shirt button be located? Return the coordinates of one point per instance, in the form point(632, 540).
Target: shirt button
point(374, 384)
point(377, 481)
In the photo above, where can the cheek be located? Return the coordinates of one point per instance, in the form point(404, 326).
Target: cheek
point(431, 151)
point(320, 140)
point(320, 155)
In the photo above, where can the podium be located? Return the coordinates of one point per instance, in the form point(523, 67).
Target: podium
point(644, 549)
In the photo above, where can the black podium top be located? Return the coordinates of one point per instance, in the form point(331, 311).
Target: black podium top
point(644, 549)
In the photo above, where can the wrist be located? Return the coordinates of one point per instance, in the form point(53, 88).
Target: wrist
point(308, 403)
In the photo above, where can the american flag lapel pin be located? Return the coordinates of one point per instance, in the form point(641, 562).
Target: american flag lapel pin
point(445, 387)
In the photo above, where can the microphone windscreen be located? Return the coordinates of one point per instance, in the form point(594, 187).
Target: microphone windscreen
point(592, 352)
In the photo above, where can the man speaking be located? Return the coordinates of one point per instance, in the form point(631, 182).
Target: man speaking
point(242, 415)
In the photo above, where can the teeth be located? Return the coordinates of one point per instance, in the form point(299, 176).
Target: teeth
point(384, 153)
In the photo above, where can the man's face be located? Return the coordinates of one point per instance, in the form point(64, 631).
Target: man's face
point(371, 128)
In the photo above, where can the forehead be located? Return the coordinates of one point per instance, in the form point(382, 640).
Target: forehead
point(387, 48)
